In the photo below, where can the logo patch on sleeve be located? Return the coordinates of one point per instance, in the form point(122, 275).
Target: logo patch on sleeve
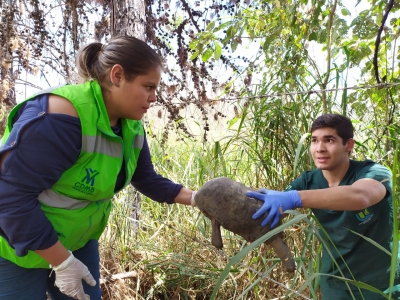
point(364, 216)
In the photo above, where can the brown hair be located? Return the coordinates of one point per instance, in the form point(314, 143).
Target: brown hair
point(95, 60)
point(342, 124)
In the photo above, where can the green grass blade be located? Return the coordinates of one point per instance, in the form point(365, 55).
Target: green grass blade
point(395, 243)
point(298, 150)
point(238, 257)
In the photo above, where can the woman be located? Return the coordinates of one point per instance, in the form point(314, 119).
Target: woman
point(65, 153)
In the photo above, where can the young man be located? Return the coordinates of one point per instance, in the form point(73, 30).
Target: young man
point(347, 197)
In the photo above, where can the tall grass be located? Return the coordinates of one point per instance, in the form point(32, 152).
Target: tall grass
point(171, 252)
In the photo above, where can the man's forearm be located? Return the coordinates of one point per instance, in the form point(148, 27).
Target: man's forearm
point(360, 195)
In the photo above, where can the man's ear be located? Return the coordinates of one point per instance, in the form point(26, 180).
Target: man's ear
point(350, 145)
point(116, 74)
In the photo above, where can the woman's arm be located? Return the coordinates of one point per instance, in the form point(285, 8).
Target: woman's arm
point(156, 187)
point(184, 197)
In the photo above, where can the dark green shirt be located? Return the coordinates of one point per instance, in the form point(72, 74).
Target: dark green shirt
point(365, 262)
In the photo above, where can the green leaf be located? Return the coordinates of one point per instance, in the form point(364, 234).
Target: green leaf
point(355, 21)
point(345, 12)
point(298, 150)
point(232, 122)
point(194, 55)
point(372, 242)
point(260, 25)
point(206, 55)
point(313, 36)
point(322, 37)
point(230, 33)
point(344, 100)
point(217, 51)
point(267, 42)
point(193, 44)
point(223, 25)
point(395, 242)
point(210, 26)
point(234, 45)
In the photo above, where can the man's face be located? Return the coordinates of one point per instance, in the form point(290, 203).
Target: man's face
point(327, 149)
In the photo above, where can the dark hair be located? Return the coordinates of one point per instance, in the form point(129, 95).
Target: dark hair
point(95, 60)
point(342, 124)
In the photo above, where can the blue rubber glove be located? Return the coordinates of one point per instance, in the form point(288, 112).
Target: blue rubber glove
point(273, 201)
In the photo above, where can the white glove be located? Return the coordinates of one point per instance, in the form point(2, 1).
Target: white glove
point(192, 202)
point(69, 277)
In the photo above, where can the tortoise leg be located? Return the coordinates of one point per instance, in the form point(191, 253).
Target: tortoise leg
point(284, 253)
point(216, 238)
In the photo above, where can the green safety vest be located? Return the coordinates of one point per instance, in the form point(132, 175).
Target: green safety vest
point(79, 203)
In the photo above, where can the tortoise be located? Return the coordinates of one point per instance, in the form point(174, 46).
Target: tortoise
point(225, 203)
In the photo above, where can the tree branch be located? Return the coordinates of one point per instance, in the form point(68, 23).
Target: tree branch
point(328, 64)
point(389, 6)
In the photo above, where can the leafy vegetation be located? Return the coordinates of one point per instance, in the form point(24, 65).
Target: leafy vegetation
point(243, 81)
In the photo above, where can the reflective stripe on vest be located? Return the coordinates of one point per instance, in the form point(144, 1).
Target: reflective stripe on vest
point(51, 198)
point(138, 142)
point(107, 147)
point(97, 144)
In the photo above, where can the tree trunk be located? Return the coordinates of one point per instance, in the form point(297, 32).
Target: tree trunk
point(6, 69)
point(128, 18)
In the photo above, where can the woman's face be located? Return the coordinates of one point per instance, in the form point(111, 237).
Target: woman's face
point(132, 99)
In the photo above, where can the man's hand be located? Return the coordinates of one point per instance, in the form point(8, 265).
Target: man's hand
point(276, 203)
point(69, 277)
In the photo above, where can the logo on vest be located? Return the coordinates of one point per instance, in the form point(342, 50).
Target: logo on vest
point(86, 185)
point(364, 216)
